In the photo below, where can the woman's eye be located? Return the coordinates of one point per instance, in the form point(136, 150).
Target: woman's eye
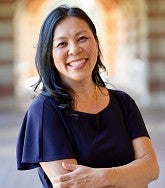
point(61, 44)
point(83, 38)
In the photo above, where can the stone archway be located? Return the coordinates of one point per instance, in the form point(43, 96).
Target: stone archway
point(26, 22)
point(125, 41)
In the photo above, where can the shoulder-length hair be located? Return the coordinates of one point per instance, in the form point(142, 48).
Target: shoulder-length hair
point(49, 76)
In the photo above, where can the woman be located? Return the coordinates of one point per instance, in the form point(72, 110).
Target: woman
point(76, 131)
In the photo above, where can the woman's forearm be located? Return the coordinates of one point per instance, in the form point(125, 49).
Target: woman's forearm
point(140, 172)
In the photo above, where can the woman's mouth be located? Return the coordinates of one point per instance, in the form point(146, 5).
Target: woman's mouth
point(78, 63)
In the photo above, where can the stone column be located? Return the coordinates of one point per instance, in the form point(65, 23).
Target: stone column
point(126, 45)
point(6, 55)
point(156, 17)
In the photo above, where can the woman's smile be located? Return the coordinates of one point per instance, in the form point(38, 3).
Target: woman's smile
point(77, 63)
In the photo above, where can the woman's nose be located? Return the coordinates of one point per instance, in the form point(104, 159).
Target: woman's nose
point(74, 49)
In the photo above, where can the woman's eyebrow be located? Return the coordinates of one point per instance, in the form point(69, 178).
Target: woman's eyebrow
point(58, 38)
point(78, 33)
point(82, 31)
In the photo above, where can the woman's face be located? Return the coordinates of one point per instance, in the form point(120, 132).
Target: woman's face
point(75, 50)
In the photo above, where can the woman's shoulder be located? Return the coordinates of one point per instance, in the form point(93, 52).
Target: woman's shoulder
point(120, 94)
point(40, 101)
point(124, 99)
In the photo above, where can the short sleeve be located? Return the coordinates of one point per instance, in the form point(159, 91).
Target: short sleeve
point(43, 136)
point(136, 125)
point(136, 122)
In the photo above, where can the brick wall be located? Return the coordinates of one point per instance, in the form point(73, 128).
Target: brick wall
point(6, 54)
point(156, 17)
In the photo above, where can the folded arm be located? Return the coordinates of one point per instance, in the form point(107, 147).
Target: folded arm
point(143, 170)
point(139, 173)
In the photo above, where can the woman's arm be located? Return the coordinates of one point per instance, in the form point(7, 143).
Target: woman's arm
point(54, 168)
point(143, 170)
point(139, 173)
point(76, 175)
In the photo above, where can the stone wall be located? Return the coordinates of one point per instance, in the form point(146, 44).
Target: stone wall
point(126, 46)
point(6, 54)
point(135, 46)
point(156, 24)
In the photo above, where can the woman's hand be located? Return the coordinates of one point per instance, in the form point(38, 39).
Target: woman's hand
point(78, 177)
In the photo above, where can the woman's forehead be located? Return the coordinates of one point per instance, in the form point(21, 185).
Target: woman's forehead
point(71, 25)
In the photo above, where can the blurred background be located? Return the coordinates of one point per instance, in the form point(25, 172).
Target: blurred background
point(132, 37)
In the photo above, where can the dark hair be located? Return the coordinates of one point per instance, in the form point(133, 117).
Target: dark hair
point(48, 74)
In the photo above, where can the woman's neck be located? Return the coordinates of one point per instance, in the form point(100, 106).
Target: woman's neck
point(84, 92)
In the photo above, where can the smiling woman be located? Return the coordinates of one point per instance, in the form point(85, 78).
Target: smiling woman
point(77, 131)
point(73, 41)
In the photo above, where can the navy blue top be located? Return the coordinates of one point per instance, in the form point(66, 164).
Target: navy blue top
point(96, 140)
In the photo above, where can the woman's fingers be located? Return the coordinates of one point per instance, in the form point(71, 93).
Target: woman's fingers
point(78, 177)
point(69, 167)
point(61, 178)
point(62, 182)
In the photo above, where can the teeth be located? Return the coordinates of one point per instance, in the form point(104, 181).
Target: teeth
point(77, 63)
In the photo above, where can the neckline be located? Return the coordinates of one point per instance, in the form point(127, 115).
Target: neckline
point(100, 112)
